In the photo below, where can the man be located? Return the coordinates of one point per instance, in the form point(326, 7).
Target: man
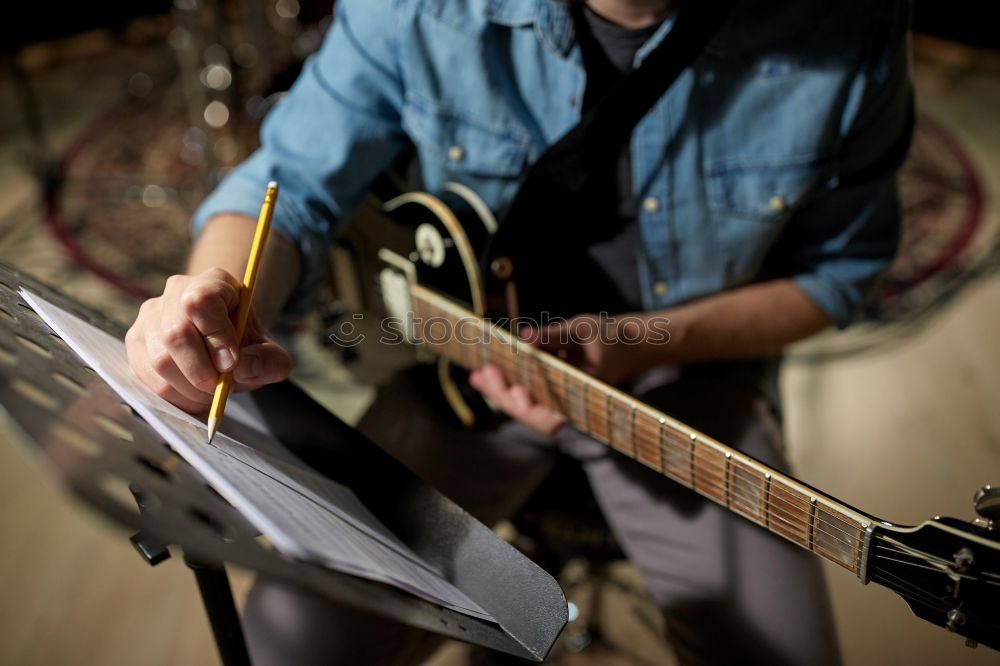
point(752, 204)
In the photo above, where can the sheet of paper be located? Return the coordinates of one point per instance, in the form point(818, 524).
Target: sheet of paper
point(304, 514)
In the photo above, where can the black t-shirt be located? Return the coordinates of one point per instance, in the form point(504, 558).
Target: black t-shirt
point(609, 242)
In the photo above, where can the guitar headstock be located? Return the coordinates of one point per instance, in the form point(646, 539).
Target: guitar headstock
point(947, 571)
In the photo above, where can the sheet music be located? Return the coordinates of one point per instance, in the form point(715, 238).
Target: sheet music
point(303, 514)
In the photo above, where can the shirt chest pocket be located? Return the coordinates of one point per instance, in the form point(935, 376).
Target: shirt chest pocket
point(751, 204)
point(452, 147)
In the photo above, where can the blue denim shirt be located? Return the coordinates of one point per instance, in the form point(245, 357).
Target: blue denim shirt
point(774, 154)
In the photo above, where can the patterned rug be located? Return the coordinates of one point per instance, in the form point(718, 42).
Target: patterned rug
point(945, 240)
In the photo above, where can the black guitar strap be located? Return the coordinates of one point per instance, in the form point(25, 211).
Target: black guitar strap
point(557, 183)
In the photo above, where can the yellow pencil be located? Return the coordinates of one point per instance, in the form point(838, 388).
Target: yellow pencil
point(246, 297)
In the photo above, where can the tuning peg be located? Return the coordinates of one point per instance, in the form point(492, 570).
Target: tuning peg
point(987, 503)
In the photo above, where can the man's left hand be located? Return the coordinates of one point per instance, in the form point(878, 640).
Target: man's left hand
point(612, 348)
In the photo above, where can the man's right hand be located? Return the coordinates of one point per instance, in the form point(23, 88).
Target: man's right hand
point(182, 340)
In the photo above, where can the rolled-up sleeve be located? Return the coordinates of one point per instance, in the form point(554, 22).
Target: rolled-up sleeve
point(840, 241)
point(329, 138)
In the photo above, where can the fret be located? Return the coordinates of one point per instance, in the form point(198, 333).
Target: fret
point(513, 363)
point(466, 336)
point(788, 514)
point(812, 522)
point(576, 390)
point(691, 454)
point(728, 480)
point(475, 355)
point(710, 472)
point(418, 317)
point(437, 331)
point(767, 505)
point(525, 359)
point(483, 349)
point(747, 491)
point(499, 353)
point(596, 414)
point(837, 537)
point(675, 458)
point(608, 425)
point(635, 443)
point(566, 390)
point(779, 504)
point(559, 389)
point(540, 380)
point(647, 439)
point(619, 419)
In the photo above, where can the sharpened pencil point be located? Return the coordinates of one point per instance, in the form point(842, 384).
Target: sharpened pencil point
point(213, 425)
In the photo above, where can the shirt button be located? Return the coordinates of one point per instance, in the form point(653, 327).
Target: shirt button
point(651, 204)
point(777, 204)
point(660, 288)
point(456, 154)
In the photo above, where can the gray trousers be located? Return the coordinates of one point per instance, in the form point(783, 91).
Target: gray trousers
point(731, 592)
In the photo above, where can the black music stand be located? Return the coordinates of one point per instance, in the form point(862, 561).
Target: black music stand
point(115, 462)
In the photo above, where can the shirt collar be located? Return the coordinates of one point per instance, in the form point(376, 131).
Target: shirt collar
point(551, 19)
point(555, 25)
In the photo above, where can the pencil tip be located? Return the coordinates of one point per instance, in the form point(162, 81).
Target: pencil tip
point(273, 185)
point(213, 425)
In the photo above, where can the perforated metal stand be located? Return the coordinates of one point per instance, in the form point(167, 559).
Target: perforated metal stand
point(104, 454)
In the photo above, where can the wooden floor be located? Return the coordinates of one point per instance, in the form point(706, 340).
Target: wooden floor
point(907, 431)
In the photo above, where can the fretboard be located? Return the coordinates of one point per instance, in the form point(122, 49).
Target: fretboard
point(769, 498)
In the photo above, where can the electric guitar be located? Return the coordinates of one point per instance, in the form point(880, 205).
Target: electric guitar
point(946, 570)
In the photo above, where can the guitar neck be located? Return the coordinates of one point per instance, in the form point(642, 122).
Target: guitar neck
point(769, 498)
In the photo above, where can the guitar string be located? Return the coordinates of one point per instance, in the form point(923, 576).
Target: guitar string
point(949, 565)
point(750, 496)
point(893, 544)
point(568, 389)
point(746, 498)
point(900, 551)
point(898, 584)
point(919, 596)
point(919, 566)
point(971, 617)
point(788, 515)
point(929, 598)
point(845, 537)
point(512, 360)
point(925, 596)
point(904, 583)
point(906, 589)
point(734, 493)
point(851, 541)
point(743, 502)
point(912, 552)
point(683, 449)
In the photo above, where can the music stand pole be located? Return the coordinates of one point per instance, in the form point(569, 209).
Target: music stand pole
point(213, 585)
point(217, 596)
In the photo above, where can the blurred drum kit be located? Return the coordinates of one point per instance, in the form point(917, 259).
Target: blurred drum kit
point(121, 196)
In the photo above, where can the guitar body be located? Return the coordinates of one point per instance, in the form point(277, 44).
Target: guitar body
point(947, 570)
point(436, 241)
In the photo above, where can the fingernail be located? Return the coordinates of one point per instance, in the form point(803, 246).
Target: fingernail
point(224, 359)
point(249, 368)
